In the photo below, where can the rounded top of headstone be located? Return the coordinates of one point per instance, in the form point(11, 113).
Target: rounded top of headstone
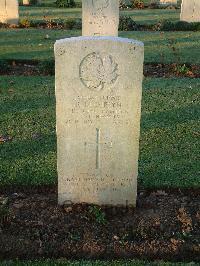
point(105, 38)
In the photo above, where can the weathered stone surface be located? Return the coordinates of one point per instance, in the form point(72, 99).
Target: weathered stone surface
point(9, 11)
point(98, 102)
point(100, 18)
point(190, 10)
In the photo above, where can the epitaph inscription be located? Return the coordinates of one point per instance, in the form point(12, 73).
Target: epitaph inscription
point(96, 71)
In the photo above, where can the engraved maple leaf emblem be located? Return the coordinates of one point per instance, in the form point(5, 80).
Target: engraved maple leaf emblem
point(97, 70)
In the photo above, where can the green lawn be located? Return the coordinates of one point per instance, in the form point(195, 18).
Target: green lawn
point(31, 44)
point(169, 132)
point(146, 16)
point(152, 16)
point(33, 13)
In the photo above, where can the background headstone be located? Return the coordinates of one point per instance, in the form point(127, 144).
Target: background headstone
point(26, 2)
point(9, 12)
point(168, 2)
point(98, 102)
point(190, 10)
point(100, 18)
point(3, 14)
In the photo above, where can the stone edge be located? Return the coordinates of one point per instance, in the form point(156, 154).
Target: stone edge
point(103, 38)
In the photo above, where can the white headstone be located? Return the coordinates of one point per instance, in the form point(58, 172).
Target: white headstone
point(190, 10)
point(168, 2)
point(100, 17)
point(98, 107)
point(26, 2)
point(9, 11)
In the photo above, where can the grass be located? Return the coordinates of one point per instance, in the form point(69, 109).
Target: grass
point(35, 13)
point(152, 16)
point(146, 16)
point(97, 263)
point(27, 110)
point(169, 137)
point(169, 132)
point(157, 45)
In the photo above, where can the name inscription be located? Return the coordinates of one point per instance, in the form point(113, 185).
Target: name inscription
point(90, 109)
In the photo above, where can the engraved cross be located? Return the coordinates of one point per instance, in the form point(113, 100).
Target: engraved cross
point(98, 145)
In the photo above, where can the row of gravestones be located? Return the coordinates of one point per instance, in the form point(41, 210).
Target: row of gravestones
point(9, 11)
point(190, 10)
point(98, 80)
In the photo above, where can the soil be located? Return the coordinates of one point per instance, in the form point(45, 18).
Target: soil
point(150, 70)
point(171, 70)
point(21, 69)
point(164, 225)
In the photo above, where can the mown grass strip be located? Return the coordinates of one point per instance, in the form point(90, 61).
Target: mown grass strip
point(160, 47)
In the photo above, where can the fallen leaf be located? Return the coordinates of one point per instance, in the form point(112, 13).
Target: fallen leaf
point(190, 74)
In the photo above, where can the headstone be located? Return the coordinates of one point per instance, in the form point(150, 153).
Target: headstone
point(3, 13)
point(190, 10)
point(9, 11)
point(100, 17)
point(26, 2)
point(168, 2)
point(98, 99)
